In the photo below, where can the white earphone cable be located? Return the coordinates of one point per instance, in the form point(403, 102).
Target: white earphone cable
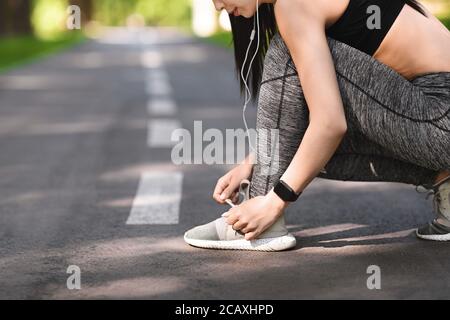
point(248, 95)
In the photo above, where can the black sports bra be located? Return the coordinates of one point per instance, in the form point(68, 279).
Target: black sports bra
point(357, 27)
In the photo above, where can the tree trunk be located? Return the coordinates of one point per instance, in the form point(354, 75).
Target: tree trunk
point(21, 16)
point(4, 18)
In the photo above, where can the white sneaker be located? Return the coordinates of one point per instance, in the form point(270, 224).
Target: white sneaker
point(218, 234)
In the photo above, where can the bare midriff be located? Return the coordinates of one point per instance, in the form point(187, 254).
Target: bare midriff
point(416, 45)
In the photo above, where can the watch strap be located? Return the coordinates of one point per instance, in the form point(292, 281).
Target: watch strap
point(285, 192)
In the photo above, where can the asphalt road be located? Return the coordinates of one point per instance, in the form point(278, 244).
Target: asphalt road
point(74, 146)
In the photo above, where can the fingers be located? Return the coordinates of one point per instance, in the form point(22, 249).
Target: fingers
point(253, 231)
point(233, 200)
point(221, 185)
point(251, 235)
point(250, 230)
point(231, 216)
point(228, 193)
point(225, 189)
point(239, 225)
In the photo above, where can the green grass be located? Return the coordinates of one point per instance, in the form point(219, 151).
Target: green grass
point(444, 15)
point(446, 21)
point(19, 50)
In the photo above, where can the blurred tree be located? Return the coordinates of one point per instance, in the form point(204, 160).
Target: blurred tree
point(163, 12)
point(49, 18)
point(86, 7)
point(114, 12)
point(4, 17)
point(20, 13)
point(155, 12)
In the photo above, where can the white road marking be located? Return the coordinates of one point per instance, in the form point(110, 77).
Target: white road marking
point(158, 88)
point(159, 193)
point(158, 199)
point(161, 106)
point(160, 132)
point(151, 59)
point(157, 75)
point(148, 37)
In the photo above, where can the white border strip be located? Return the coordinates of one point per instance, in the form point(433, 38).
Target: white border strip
point(160, 132)
point(158, 199)
point(161, 106)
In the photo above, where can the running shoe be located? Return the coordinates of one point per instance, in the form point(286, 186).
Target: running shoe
point(218, 234)
point(439, 228)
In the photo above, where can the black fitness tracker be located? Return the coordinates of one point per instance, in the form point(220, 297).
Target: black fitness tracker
point(285, 192)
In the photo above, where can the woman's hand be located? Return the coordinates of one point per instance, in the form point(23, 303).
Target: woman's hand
point(256, 215)
point(227, 187)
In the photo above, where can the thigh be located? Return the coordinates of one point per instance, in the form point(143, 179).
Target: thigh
point(360, 159)
point(406, 120)
point(282, 107)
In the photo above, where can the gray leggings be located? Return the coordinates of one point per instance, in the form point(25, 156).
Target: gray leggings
point(398, 130)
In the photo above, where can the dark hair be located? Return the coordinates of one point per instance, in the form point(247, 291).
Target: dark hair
point(241, 30)
point(416, 5)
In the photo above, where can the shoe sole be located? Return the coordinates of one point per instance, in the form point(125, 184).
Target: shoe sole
point(267, 244)
point(434, 237)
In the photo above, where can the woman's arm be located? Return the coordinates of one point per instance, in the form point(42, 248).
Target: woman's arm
point(302, 26)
